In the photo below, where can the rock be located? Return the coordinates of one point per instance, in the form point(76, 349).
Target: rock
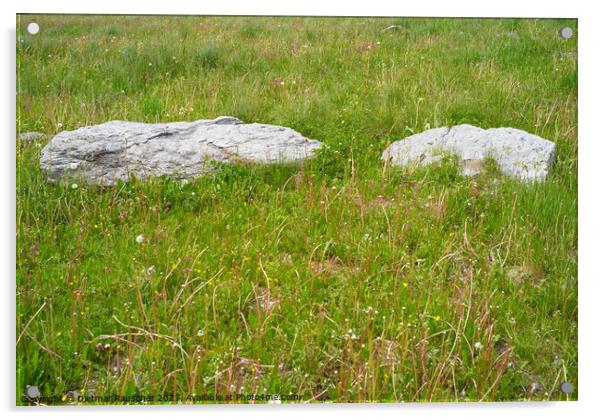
point(31, 136)
point(518, 154)
point(103, 154)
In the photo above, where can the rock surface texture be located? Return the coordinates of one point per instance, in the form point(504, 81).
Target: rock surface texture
point(518, 154)
point(31, 136)
point(103, 154)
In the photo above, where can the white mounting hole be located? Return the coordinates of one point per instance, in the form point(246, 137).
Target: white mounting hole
point(33, 28)
point(566, 33)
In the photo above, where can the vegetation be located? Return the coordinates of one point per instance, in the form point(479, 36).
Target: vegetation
point(339, 279)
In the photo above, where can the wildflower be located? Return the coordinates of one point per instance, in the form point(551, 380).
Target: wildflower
point(74, 186)
point(139, 239)
point(200, 333)
point(437, 318)
point(534, 387)
point(478, 345)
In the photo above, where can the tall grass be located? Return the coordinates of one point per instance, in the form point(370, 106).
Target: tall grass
point(339, 279)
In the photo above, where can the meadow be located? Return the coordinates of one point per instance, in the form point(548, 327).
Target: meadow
point(340, 279)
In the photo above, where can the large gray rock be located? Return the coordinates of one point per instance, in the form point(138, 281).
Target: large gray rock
point(518, 154)
point(105, 153)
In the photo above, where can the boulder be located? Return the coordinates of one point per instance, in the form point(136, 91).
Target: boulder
point(103, 154)
point(31, 136)
point(518, 154)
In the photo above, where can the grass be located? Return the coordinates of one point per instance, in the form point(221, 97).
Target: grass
point(339, 279)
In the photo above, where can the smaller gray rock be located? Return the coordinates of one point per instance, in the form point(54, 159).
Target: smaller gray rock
point(518, 154)
point(31, 136)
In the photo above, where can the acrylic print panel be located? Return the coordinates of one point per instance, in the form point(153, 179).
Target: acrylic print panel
point(243, 210)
